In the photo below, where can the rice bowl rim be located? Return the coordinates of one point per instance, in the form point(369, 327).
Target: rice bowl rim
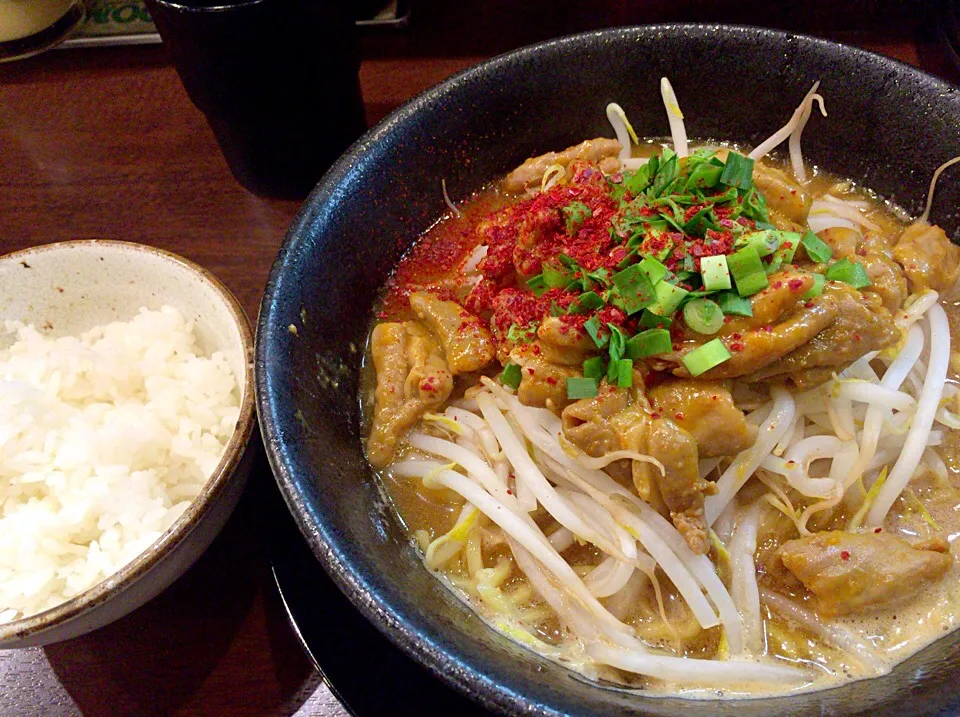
point(216, 482)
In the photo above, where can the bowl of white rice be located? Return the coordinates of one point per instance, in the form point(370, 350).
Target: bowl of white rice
point(126, 410)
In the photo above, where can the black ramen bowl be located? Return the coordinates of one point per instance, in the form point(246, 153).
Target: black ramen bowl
point(889, 126)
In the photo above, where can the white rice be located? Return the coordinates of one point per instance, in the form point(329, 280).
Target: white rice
point(105, 439)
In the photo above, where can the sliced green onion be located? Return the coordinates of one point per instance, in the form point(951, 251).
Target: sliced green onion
point(765, 242)
point(775, 262)
point(636, 290)
point(789, 241)
point(556, 310)
point(657, 244)
point(700, 222)
point(703, 358)
point(537, 285)
point(593, 367)
point(586, 302)
point(732, 304)
point(649, 343)
point(653, 268)
point(747, 271)
point(612, 367)
point(575, 215)
point(819, 280)
point(625, 373)
point(817, 249)
point(703, 316)
point(618, 341)
point(581, 388)
point(511, 375)
point(554, 278)
point(737, 171)
point(594, 326)
point(668, 298)
point(704, 176)
point(627, 260)
point(849, 272)
point(715, 273)
point(650, 320)
point(522, 335)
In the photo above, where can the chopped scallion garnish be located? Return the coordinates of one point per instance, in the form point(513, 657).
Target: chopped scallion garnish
point(747, 271)
point(636, 290)
point(650, 320)
point(594, 327)
point(765, 242)
point(789, 241)
point(732, 304)
point(554, 278)
point(537, 285)
point(817, 249)
point(586, 302)
point(593, 367)
point(653, 268)
point(510, 376)
point(581, 388)
point(715, 273)
point(737, 171)
point(849, 272)
point(703, 316)
point(575, 215)
point(819, 280)
point(703, 358)
point(668, 298)
point(625, 373)
point(618, 341)
point(649, 343)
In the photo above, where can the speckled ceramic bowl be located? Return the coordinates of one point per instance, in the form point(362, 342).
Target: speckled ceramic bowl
point(889, 126)
point(73, 286)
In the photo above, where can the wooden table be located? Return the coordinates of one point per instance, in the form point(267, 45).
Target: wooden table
point(105, 144)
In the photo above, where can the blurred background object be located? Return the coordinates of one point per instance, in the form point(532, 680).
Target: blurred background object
point(28, 27)
point(277, 80)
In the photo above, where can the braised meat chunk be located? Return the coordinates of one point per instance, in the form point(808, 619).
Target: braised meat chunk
point(852, 572)
point(875, 252)
point(929, 258)
point(542, 384)
point(861, 325)
point(412, 377)
point(706, 411)
point(623, 419)
point(466, 341)
point(793, 340)
point(787, 201)
point(528, 175)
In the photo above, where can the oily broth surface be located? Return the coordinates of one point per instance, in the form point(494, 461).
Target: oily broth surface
point(896, 633)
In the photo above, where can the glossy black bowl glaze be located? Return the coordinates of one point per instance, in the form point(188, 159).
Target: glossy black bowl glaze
point(889, 126)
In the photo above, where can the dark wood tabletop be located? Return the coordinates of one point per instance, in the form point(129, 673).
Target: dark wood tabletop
point(105, 144)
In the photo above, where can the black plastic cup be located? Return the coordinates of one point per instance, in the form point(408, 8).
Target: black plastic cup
point(277, 80)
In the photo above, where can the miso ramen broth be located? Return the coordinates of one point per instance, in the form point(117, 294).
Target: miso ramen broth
point(680, 416)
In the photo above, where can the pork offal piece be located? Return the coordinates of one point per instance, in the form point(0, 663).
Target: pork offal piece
point(786, 199)
point(412, 378)
point(852, 572)
point(929, 259)
point(862, 325)
point(543, 384)
point(705, 409)
point(530, 174)
point(793, 341)
point(875, 252)
point(622, 419)
point(467, 344)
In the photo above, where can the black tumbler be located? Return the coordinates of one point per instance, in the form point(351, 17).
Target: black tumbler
point(278, 81)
